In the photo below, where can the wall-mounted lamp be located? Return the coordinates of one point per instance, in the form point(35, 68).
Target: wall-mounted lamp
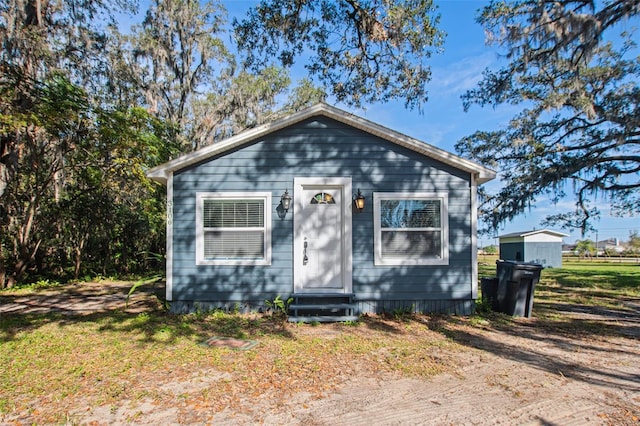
point(285, 200)
point(359, 200)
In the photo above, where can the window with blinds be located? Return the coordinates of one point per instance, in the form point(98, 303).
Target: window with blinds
point(233, 229)
point(410, 229)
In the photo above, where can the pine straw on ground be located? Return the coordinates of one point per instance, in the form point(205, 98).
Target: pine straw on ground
point(57, 366)
point(68, 361)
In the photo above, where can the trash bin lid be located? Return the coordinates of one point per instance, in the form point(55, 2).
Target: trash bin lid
point(519, 265)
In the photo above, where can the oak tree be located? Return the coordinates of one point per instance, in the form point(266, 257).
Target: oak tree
point(72, 185)
point(572, 70)
point(177, 65)
point(361, 51)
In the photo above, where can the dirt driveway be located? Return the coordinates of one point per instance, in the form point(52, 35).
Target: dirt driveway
point(520, 375)
point(519, 372)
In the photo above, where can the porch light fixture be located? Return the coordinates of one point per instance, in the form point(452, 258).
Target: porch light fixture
point(285, 200)
point(359, 201)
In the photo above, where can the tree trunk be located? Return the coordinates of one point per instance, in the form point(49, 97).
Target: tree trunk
point(3, 272)
point(26, 259)
point(76, 272)
point(79, 249)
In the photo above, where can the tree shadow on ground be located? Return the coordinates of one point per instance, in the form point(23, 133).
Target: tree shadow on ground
point(552, 341)
point(108, 308)
point(557, 361)
point(555, 339)
point(547, 342)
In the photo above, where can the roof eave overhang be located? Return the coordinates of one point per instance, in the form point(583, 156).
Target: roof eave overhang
point(545, 231)
point(534, 232)
point(480, 173)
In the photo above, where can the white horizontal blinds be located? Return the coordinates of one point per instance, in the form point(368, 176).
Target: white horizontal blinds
point(233, 213)
point(233, 245)
point(411, 228)
point(233, 229)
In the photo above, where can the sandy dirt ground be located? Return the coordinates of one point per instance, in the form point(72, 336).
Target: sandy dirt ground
point(516, 377)
point(522, 374)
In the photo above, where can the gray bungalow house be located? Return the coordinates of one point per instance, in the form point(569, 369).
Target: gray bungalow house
point(342, 214)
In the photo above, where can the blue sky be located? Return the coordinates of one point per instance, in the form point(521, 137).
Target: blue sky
point(443, 121)
point(457, 70)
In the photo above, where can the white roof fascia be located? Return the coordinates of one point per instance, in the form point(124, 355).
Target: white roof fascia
point(534, 232)
point(482, 174)
point(545, 231)
point(161, 172)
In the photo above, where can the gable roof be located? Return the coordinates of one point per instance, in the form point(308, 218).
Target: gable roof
point(162, 172)
point(534, 232)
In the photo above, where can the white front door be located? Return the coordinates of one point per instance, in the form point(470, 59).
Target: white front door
point(322, 235)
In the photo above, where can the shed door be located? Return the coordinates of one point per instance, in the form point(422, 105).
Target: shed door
point(322, 243)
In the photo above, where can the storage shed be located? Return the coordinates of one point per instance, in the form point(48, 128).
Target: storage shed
point(340, 213)
point(538, 246)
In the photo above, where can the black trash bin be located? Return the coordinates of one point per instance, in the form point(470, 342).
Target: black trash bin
point(516, 285)
point(489, 287)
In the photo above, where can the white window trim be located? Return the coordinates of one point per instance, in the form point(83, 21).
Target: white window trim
point(443, 197)
point(201, 196)
point(169, 250)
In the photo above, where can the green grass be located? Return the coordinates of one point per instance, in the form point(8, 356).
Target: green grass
point(53, 363)
point(591, 284)
point(620, 279)
point(606, 288)
point(578, 278)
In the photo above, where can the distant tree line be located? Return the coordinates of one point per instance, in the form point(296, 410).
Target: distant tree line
point(588, 248)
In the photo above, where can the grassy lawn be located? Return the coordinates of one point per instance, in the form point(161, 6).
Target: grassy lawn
point(601, 281)
point(53, 363)
point(581, 286)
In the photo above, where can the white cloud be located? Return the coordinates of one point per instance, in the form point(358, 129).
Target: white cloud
point(459, 76)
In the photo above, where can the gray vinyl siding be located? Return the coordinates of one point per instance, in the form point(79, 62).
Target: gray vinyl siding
point(314, 148)
point(547, 254)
